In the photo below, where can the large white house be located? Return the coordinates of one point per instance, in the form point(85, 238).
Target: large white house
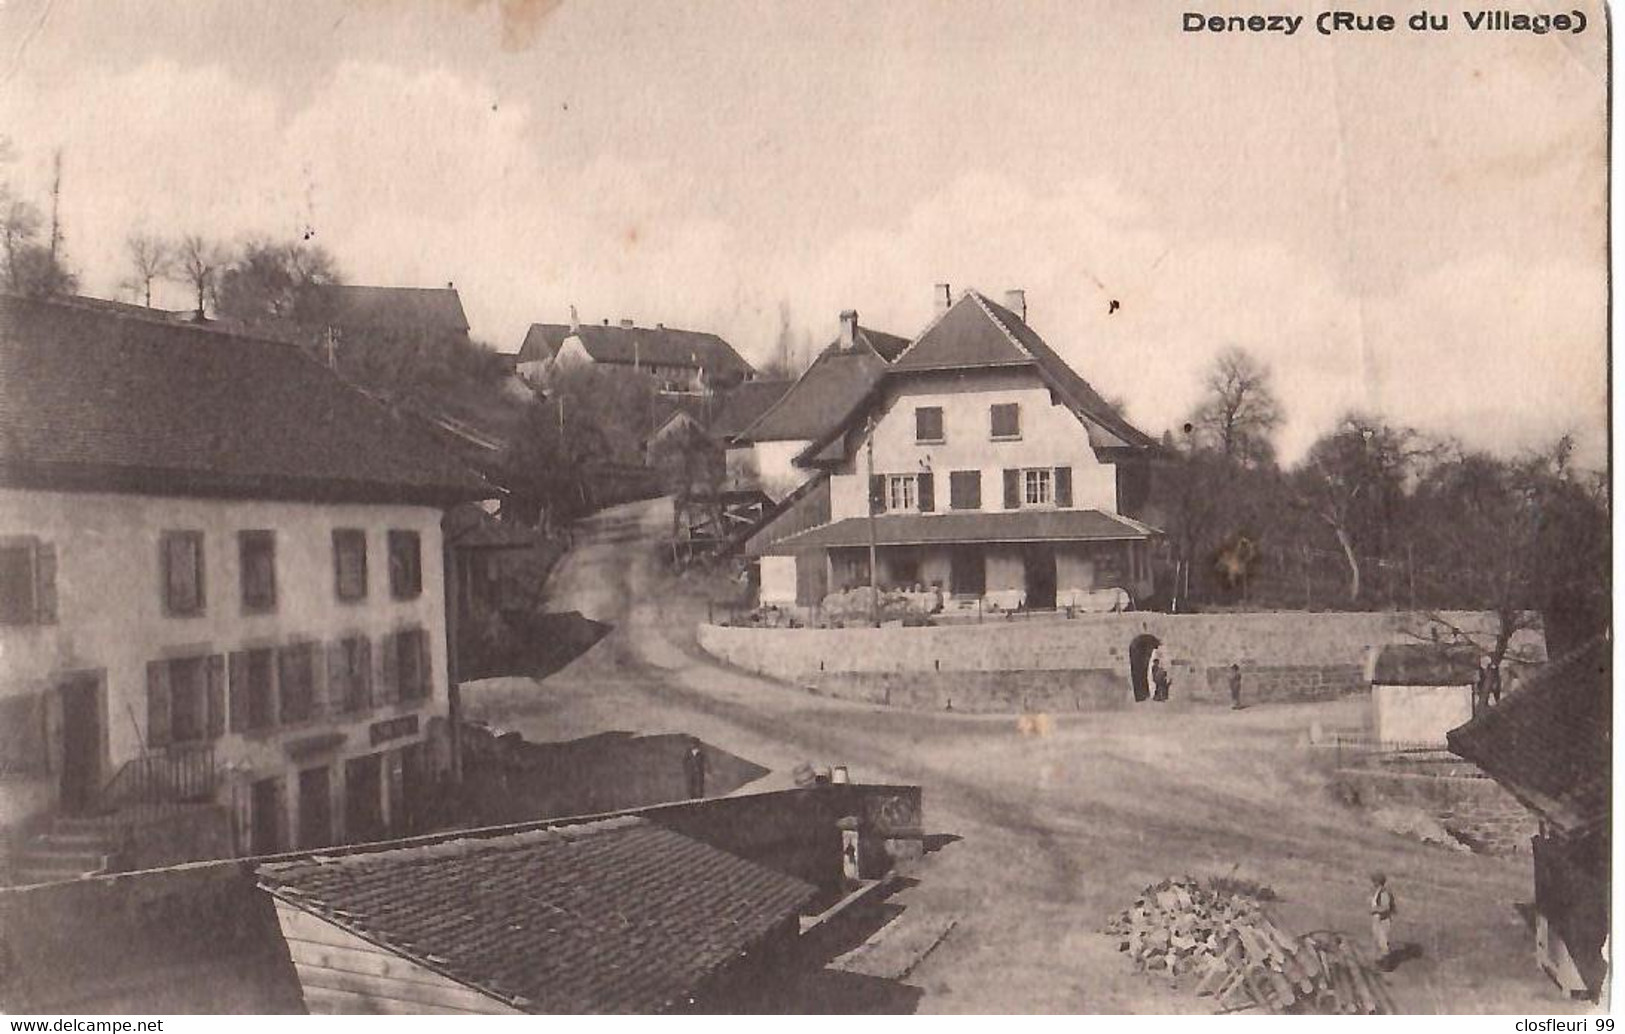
point(979, 464)
point(220, 584)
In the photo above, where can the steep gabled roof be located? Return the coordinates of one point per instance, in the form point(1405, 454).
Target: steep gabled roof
point(1548, 741)
point(619, 915)
point(433, 309)
point(743, 404)
point(886, 346)
point(663, 346)
point(978, 334)
point(93, 399)
point(825, 396)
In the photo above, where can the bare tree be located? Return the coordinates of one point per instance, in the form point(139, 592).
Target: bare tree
point(19, 227)
point(1352, 481)
point(197, 264)
point(151, 258)
point(1239, 413)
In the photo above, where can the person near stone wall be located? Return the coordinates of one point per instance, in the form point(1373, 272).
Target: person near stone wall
point(1235, 687)
point(1160, 679)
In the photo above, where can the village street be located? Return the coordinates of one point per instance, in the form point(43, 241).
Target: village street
point(1057, 829)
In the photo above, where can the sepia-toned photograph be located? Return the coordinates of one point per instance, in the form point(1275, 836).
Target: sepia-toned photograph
point(760, 507)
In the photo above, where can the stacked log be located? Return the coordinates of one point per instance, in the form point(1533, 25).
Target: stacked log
point(1242, 958)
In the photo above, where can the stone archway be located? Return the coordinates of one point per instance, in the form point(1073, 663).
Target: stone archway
point(1139, 664)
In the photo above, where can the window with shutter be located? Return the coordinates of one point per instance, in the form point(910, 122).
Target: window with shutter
point(928, 424)
point(928, 493)
point(1012, 489)
point(260, 675)
point(18, 584)
point(181, 554)
point(965, 490)
point(1063, 487)
point(188, 699)
point(900, 492)
point(877, 493)
point(1005, 418)
point(216, 698)
point(45, 583)
point(296, 677)
point(1036, 487)
point(157, 704)
point(256, 559)
point(350, 563)
point(405, 565)
point(389, 683)
point(237, 691)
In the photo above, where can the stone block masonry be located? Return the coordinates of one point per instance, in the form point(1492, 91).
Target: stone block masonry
point(1477, 810)
point(1082, 664)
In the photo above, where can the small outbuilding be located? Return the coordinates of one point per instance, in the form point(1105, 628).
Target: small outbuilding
point(1420, 691)
point(1548, 743)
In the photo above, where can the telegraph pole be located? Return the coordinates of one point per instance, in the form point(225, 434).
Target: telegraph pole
point(874, 581)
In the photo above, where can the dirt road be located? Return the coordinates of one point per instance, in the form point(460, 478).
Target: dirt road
point(1057, 830)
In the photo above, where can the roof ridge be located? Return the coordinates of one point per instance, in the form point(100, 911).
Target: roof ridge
point(1009, 335)
point(744, 433)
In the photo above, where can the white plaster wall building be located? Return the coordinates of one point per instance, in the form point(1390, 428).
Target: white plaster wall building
point(221, 577)
point(994, 473)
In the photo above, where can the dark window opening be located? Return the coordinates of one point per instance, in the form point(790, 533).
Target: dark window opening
point(405, 565)
point(1006, 418)
point(256, 551)
point(350, 563)
point(183, 572)
point(928, 424)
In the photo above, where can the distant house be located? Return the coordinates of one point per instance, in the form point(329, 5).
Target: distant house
point(1420, 691)
point(1548, 744)
point(220, 590)
point(992, 471)
point(434, 313)
point(763, 453)
point(679, 361)
point(619, 915)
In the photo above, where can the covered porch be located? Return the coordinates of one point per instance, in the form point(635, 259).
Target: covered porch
point(1085, 559)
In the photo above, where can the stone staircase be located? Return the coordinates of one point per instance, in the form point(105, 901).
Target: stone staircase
point(69, 848)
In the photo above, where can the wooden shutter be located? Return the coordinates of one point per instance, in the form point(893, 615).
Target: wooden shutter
point(877, 493)
point(158, 704)
point(364, 672)
point(1012, 489)
point(237, 681)
point(337, 678)
point(45, 584)
point(425, 672)
point(1063, 487)
point(389, 688)
point(928, 492)
point(214, 699)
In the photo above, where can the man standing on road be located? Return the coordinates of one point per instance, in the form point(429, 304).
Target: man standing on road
point(1235, 687)
point(694, 769)
point(1159, 679)
point(1382, 916)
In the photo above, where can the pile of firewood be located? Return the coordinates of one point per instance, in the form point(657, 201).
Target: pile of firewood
point(1242, 958)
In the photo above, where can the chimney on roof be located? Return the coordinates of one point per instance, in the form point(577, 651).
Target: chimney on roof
point(451, 285)
point(660, 326)
point(941, 298)
point(575, 321)
point(626, 324)
point(1015, 300)
point(606, 321)
point(849, 329)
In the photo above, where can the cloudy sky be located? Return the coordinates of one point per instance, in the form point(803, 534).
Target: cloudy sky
point(1406, 223)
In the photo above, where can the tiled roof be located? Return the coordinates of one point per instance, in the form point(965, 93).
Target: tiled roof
point(661, 346)
point(93, 399)
point(620, 915)
point(976, 332)
point(886, 346)
point(1548, 741)
point(822, 399)
point(744, 403)
point(406, 308)
point(1426, 664)
point(944, 528)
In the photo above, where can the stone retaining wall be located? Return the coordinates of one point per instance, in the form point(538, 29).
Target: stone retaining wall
point(1059, 664)
point(1478, 810)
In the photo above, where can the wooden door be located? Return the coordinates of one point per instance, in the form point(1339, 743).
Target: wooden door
point(81, 780)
